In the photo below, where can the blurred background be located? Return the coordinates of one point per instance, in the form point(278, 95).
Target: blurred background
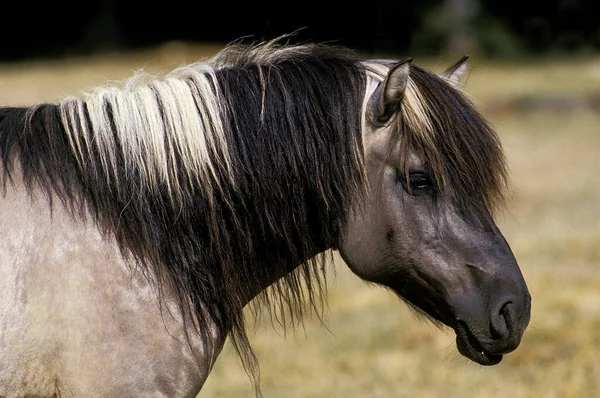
point(534, 73)
point(495, 28)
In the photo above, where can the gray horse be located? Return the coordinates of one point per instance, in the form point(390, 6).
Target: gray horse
point(137, 222)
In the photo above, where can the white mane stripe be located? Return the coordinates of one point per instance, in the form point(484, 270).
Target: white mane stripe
point(414, 110)
point(202, 80)
point(156, 123)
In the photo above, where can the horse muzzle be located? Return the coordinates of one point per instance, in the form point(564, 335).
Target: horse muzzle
point(485, 340)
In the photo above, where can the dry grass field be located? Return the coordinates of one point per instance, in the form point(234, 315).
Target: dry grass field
point(368, 344)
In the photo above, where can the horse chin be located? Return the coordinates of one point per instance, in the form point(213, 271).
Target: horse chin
point(469, 347)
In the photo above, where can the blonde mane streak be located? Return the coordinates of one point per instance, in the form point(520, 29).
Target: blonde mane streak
point(414, 112)
point(207, 111)
point(72, 112)
point(420, 130)
point(156, 126)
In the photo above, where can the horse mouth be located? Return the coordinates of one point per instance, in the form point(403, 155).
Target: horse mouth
point(469, 347)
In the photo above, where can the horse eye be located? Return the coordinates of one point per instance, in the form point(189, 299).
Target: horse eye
point(419, 183)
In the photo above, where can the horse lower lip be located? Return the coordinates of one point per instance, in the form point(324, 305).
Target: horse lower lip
point(470, 348)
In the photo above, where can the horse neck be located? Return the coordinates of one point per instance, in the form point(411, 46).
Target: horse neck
point(280, 270)
point(257, 236)
point(220, 223)
point(296, 153)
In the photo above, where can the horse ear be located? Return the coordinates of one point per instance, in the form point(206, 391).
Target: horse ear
point(455, 73)
point(390, 92)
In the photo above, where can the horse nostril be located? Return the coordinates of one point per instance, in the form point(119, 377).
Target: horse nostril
point(501, 321)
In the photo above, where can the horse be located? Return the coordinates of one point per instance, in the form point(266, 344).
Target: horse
point(140, 219)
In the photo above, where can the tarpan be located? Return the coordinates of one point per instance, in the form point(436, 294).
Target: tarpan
point(138, 221)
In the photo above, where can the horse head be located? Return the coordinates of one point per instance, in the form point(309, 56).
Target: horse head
point(424, 228)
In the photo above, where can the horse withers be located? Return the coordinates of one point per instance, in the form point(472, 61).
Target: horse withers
point(138, 221)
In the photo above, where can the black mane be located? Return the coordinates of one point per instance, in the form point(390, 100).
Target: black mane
point(460, 146)
point(292, 119)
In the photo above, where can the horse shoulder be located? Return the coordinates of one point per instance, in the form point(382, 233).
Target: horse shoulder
point(77, 320)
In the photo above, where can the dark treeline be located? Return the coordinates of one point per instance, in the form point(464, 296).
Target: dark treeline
point(496, 28)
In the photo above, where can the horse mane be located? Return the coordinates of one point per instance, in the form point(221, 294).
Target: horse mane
point(438, 122)
point(461, 148)
point(213, 177)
